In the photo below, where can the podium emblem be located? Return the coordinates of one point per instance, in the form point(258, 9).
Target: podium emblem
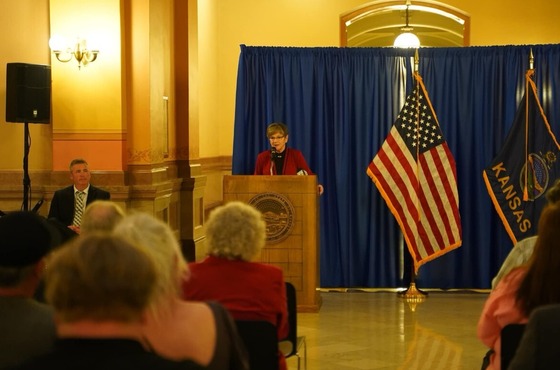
point(278, 212)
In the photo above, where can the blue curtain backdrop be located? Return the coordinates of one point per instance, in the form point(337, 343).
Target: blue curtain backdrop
point(340, 103)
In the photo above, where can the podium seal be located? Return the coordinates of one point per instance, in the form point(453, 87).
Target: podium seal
point(278, 212)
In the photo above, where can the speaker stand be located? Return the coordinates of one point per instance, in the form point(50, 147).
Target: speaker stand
point(26, 179)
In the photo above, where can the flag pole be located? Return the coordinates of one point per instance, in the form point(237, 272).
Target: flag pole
point(413, 294)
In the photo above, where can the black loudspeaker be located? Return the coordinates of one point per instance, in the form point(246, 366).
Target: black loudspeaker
point(28, 93)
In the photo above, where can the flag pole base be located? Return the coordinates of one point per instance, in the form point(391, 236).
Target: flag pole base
point(413, 294)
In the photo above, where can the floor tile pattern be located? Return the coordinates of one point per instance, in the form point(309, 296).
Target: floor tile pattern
point(364, 330)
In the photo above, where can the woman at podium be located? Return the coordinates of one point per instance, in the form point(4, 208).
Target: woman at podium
point(279, 159)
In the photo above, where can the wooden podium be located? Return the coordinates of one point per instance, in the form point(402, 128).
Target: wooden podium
point(290, 206)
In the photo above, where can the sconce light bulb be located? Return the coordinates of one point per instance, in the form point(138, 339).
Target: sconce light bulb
point(57, 42)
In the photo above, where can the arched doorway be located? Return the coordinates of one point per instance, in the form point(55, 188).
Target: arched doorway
point(380, 22)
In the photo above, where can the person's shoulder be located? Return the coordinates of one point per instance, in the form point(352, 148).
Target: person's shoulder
point(26, 306)
point(157, 362)
point(217, 309)
point(550, 310)
point(268, 269)
point(515, 275)
point(526, 243)
point(67, 189)
point(294, 151)
point(41, 307)
point(99, 192)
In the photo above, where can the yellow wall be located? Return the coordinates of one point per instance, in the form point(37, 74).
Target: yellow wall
point(87, 102)
point(208, 49)
point(81, 93)
point(24, 38)
point(93, 103)
point(316, 23)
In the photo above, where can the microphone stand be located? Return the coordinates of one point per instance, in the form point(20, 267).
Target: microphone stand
point(272, 160)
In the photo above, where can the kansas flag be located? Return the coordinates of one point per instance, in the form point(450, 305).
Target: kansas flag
point(525, 168)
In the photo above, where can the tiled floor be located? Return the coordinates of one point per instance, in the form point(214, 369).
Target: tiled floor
point(364, 330)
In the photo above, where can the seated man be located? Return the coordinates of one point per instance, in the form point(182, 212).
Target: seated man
point(68, 204)
point(101, 287)
point(27, 326)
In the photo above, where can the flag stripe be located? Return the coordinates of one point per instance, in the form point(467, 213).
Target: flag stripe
point(437, 170)
point(385, 162)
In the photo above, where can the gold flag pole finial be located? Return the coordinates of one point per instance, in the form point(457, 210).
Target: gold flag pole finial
point(416, 61)
point(531, 59)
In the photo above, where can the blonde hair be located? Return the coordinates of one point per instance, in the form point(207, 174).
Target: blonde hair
point(235, 231)
point(100, 277)
point(77, 161)
point(159, 241)
point(276, 128)
point(101, 215)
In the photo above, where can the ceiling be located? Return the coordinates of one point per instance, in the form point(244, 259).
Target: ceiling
point(379, 23)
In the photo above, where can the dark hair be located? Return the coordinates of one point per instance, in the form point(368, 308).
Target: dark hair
point(540, 284)
point(553, 194)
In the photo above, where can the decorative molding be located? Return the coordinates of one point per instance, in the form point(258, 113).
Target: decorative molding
point(213, 164)
point(101, 135)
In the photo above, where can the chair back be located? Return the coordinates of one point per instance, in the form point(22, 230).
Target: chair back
point(510, 337)
point(292, 318)
point(261, 342)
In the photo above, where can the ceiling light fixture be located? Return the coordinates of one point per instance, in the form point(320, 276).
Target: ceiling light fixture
point(407, 39)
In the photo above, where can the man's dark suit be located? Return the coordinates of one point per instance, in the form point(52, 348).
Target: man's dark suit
point(62, 204)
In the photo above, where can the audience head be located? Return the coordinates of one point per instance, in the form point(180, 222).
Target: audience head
point(101, 215)
point(25, 239)
point(540, 285)
point(235, 230)
point(100, 277)
point(553, 193)
point(161, 244)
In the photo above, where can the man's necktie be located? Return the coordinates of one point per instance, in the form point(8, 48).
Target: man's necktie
point(79, 211)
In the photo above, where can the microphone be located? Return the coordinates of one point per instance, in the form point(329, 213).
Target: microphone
point(38, 205)
point(273, 156)
point(301, 172)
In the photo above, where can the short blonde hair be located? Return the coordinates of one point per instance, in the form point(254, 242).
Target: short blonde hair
point(235, 230)
point(100, 277)
point(101, 215)
point(76, 161)
point(276, 128)
point(159, 241)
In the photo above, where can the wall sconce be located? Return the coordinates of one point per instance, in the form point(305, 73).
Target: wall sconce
point(79, 51)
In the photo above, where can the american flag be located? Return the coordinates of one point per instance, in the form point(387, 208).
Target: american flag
point(415, 173)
